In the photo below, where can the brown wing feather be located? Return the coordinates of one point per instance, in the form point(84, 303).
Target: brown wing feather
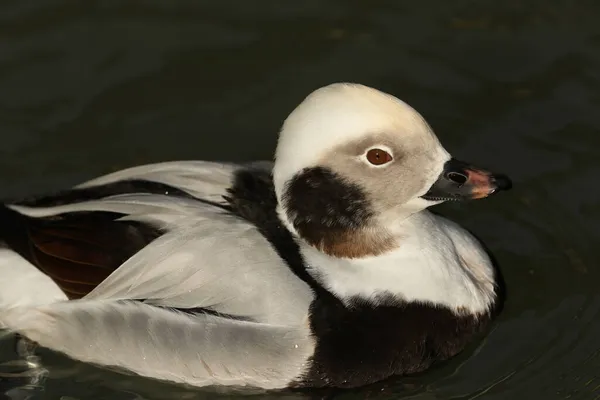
point(77, 250)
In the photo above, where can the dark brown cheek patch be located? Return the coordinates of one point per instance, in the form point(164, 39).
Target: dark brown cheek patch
point(333, 214)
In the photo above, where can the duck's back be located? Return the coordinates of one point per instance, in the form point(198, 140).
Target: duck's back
point(171, 277)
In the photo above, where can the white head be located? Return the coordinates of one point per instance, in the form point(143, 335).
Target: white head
point(352, 163)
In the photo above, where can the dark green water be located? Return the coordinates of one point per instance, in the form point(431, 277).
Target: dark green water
point(88, 87)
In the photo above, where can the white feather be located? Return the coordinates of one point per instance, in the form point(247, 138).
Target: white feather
point(203, 179)
point(437, 262)
point(22, 284)
point(148, 207)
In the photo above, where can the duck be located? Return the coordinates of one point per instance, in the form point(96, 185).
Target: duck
point(323, 268)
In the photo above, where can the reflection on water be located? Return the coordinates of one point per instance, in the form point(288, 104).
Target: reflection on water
point(89, 87)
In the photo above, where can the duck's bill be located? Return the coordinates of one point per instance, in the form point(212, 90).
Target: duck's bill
point(461, 181)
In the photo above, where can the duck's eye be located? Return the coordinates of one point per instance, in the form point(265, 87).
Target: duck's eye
point(378, 157)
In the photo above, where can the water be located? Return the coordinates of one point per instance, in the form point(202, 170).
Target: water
point(90, 87)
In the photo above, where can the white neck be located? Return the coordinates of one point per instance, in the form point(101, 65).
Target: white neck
point(437, 262)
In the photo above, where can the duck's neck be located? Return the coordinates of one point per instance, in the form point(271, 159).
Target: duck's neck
point(437, 262)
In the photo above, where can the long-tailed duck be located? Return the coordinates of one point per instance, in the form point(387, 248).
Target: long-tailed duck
point(323, 269)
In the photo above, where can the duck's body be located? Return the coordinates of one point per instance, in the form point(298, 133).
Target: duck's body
point(221, 274)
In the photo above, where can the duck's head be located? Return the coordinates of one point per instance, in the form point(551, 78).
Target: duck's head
point(352, 163)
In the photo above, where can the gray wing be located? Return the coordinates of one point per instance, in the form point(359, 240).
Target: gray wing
point(213, 261)
point(200, 350)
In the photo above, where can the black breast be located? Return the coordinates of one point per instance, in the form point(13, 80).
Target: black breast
point(364, 343)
